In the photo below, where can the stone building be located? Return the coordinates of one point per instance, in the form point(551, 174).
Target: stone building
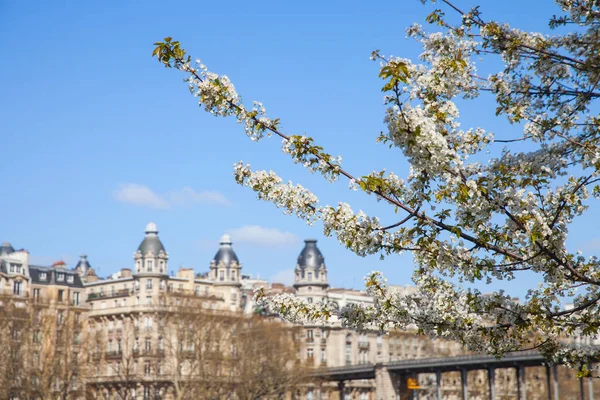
point(123, 320)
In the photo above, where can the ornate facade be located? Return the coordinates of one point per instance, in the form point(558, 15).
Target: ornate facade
point(127, 314)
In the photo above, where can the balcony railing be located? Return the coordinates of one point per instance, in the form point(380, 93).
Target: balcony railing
point(113, 354)
point(10, 292)
point(363, 345)
point(109, 295)
point(193, 293)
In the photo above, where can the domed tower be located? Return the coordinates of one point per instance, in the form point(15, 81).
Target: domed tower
point(83, 267)
point(226, 273)
point(151, 256)
point(225, 268)
point(6, 248)
point(311, 274)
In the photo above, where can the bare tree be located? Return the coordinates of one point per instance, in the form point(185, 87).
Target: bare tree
point(217, 355)
point(192, 347)
point(264, 359)
point(14, 322)
point(42, 344)
point(118, 358)
point(57, 351)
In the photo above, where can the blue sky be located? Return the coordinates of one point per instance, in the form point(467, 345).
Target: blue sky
point(98, 139)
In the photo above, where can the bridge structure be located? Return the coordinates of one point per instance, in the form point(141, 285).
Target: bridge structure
point(391, 377)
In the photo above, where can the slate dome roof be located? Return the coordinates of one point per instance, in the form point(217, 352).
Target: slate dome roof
point(311, 256)
point(225, 253)
point(151, 243)
point(6, 248)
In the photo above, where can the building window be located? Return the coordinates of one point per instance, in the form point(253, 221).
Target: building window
point(43, 276)
point(221, 275)
point(162, 265)
point(323, 356)
point(60, 317)
point(310, 276)
point(60, 276)
point(309, 335)
point(147, 373)
point(148, 345)
point(148, 299)
point(309, 299)
point(363, 357)
point(76, 298)
point(17, 288)
point(149, 264)
point(348, 349)
point(61, 295)
point(161, 345)
point(70, 278)
point(148, 322)
point(309, 395)
point(309, 354)
point(148, 284)
point(233, 275)
point(36, 294)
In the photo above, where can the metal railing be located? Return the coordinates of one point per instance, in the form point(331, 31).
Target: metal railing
point(109, 295)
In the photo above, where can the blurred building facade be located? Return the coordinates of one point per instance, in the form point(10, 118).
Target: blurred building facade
point(120, 316)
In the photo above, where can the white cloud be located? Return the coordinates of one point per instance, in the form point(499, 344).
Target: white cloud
point(139, 195)
point(286, 277)
point(143, 196)
point(262, 236)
